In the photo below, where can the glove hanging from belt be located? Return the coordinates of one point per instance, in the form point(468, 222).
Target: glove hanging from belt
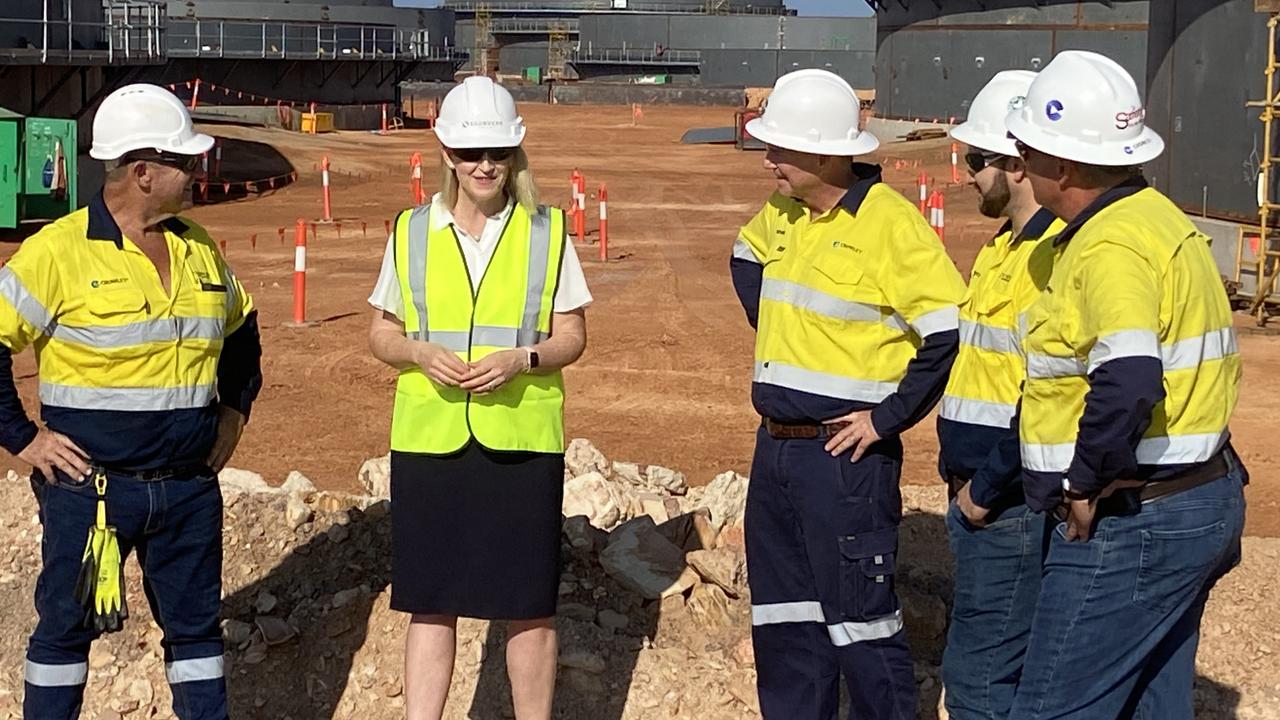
point(100, 584)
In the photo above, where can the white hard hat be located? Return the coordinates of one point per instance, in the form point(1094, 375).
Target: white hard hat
point(144, 117)
point(479, 113)
point(984, 128)
point(813, 111)
point(1085, 107)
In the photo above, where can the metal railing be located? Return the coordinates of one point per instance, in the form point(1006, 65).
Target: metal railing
point(264, 40)
point(127, 32)
point(532, 26)
point(627, 6)
point(636, 56)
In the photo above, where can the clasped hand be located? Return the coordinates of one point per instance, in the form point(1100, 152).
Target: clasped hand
point(480, 377)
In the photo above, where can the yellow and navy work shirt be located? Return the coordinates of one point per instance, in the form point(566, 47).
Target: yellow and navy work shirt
point(978, 440)
point(130, 372)
point(1132, 366)
point(854, 309)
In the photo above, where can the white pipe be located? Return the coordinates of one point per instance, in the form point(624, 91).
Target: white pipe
point(44, 48)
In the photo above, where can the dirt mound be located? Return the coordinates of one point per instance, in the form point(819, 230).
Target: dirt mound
point(654, 612)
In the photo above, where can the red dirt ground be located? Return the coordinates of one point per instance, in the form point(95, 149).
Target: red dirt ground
point(666, 375)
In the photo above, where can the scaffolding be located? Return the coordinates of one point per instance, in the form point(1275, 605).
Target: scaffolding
point(1266, 253)
point(716, 7)
point(558, 50)
point(485, 53)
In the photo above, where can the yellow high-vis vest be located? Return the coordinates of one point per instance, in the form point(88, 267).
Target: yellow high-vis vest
point(846, 300)
point(512, 308)
point(1137, 280)
point(107, 335)
point(1008, 277)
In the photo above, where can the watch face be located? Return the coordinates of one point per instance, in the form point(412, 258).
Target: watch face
point(533, 359)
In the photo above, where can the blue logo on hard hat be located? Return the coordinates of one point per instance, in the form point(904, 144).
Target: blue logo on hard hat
point(1053, 110)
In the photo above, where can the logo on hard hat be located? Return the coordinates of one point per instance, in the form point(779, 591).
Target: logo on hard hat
point(1126, 119)
point(1053, 110)
point(1017, 102)
point(1128, 149)
point(480, 123)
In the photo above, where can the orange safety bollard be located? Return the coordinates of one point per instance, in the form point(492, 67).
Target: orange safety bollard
point(573, 199)
point(924, 197)
point(604, 223)
point(384, 118)
point(195, 94)
point(415, 179)
point(300, 273)
point(955, 167)
point(313, 119)
point(580, 199)
point(937, 217)
point(324, 180)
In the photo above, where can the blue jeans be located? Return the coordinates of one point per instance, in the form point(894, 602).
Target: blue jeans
point(998, 571)
point(175, 525)
point(1118, 620)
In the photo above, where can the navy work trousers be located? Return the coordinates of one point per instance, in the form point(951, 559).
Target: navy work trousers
point(175, 525)
point(822, 541)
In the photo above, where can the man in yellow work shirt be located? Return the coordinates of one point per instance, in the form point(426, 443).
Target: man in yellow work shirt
point(854, 302)
point(1132, 376)
point(149, 361)
point(995, 538)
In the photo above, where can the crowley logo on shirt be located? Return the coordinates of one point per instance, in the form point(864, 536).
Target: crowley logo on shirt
point(108, 282)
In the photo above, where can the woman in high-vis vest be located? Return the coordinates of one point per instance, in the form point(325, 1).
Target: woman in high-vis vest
point(480, 303)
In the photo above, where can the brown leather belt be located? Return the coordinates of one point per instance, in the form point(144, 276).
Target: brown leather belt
point(1206, 472)
point(801, 431)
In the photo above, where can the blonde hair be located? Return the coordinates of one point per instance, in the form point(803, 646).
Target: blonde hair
point(519, 186)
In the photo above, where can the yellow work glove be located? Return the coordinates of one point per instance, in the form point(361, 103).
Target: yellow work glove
point(108, 595)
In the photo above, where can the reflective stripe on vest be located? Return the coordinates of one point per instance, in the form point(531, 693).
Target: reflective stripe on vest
point(503, 337)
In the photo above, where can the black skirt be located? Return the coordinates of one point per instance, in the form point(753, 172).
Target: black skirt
point(476, 534)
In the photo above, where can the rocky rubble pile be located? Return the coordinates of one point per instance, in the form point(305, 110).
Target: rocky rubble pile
point(654, 611)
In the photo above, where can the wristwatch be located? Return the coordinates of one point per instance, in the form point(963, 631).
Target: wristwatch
point(533, 358)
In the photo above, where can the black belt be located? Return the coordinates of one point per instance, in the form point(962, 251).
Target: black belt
point(1206, 472)
point(157, 474)
point(801, 431)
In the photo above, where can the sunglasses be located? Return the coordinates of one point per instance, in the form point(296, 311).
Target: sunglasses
point(475, 155)
point(977, 161)
point(185, 163)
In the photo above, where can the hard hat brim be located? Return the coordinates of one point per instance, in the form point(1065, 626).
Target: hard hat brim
point(863, 144)
point(1146, 147)
point(969, 135)
point(464, 142)
point(197, 144)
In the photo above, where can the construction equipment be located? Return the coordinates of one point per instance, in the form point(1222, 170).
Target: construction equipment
point(558, 50)
point(37, 168)
point(1264, 246)
point(485, 54)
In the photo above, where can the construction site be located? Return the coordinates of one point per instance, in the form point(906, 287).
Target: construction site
point(323, 115)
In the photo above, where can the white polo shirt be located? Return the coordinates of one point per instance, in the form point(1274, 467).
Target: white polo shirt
point(571, 292)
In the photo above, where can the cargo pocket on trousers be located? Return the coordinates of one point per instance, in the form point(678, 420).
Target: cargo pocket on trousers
point(1174, 565)
point(867, 566)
